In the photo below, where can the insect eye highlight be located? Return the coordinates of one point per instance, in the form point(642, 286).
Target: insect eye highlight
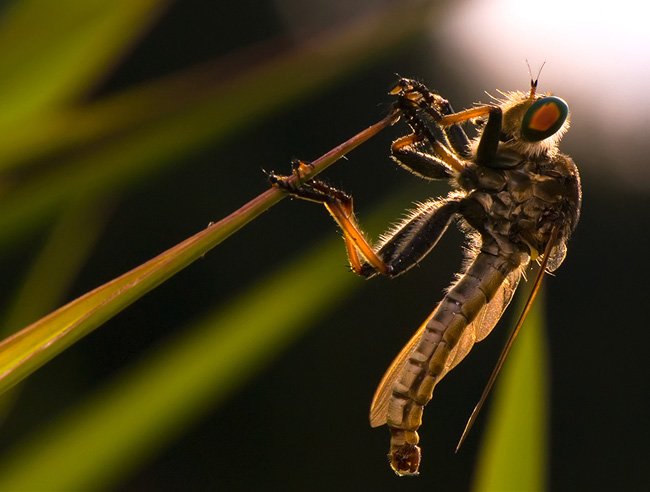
point(544, 118)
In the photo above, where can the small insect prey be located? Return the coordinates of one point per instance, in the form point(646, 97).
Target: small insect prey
point(515, 196)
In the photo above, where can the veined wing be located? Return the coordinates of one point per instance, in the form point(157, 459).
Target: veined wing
point(484, 322)
point(379, 405)
point(506, 349)
point(476, 331)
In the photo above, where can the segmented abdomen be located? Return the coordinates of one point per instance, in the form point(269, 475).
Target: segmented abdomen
point(467, 314)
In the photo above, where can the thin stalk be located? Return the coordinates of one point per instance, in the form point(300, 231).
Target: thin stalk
point(24, 352)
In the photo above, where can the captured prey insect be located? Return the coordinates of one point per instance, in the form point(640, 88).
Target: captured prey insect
point(516, 198)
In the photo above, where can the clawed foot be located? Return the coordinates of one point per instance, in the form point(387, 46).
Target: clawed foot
point(293, 182)
point(413, 95)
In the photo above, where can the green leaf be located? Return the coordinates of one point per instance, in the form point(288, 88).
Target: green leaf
point(513, 455)
point(30, 348)
point(53, 52)
point(164, 394)
point(57, 264)
point(129, 136)
point(161, 396)
point(63, 255)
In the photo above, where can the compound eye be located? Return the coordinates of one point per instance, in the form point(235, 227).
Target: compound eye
point(545, 117)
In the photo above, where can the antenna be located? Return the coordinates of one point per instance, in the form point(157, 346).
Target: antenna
point(533, 82)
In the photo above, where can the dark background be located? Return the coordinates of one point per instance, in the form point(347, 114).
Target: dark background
point(315, 435)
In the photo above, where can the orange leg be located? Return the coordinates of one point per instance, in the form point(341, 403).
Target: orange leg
point(465, 115)
point(339, 205)
point(414, 97)
point(421, 133)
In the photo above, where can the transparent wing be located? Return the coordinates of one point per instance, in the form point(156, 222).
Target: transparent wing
point(506, 349)
point(379, 405)
point(484, 322)
point(476, 331)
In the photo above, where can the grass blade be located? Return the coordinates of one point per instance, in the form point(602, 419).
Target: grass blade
point(514, 451)
point(167, 392)
point(24, 352)
point(65, 252)
point(139, 132)
point(77, 42)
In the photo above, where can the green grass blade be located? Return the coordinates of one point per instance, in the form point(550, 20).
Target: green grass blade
point(65, 252)
point(57, 264)
point(52, 52)
point(27, 350)
point(163, 395)
point(30, 348)
point(514, 450)
point(140, 145)
point(272, 79)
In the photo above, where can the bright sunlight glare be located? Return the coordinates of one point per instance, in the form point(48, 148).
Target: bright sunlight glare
point(597, 57)
point(593, 48)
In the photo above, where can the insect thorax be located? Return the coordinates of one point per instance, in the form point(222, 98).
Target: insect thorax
point(515, 209)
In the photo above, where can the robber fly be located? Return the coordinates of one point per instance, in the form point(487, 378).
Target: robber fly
point(516, 198)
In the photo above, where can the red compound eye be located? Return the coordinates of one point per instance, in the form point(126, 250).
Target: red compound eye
point(544, 118)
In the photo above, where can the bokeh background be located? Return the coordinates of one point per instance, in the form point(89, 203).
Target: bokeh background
point(138, 138)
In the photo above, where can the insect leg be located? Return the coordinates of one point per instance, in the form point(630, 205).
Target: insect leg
point(455, 134)
point(421, 110)
point(487, 147)
point(406, 153)
point(418, 95)
point(339, 205)
point(415, 96)
point(415, 237)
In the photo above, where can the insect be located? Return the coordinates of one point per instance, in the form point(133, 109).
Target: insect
point(514, 195)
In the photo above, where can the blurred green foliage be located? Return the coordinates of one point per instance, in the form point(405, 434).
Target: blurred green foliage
point(66, 156)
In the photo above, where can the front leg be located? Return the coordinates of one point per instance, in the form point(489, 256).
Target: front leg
point(415, 96)
point(423, 152)
point(406, 152)
point(491, 134)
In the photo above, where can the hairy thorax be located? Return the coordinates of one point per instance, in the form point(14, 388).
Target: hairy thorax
point(515, 208)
